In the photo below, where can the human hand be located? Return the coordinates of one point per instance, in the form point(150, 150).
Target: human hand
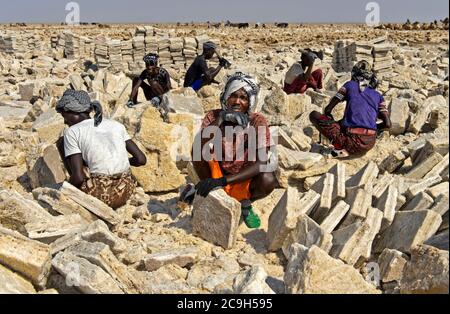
point(239, 118)
point(205, 186)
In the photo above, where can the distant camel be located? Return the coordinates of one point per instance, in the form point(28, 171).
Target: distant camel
point(281, 25)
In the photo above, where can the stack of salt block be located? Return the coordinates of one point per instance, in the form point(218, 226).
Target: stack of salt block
point(115, 53)
point(165, 57)
point(127, 53)
point(138, 48)
point(101, 52)
point(344, 55)
point(176, 52)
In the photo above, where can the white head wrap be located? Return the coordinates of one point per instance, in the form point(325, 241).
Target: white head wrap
point(237, 81)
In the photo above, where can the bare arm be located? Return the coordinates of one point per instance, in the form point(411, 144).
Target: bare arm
point(210, 75)
point(386, 124)
point(75, 163)
point(138, 158)
point(169, 84)
point(135, 89)
point(245, 174)
point(329, 108)
point(308, 72)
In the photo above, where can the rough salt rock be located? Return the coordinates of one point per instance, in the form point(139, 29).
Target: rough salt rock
point(421, 201)
point(180, 257)
point(11, 283)
point(409, 228)
point(439, 189)
point(441, 204)
point(337, 213)
point(439, 241)
point(339, 191)
point(252, 281)
point(216, 218)
point(394, 161)
point(91, 203)
point(98, 232)
point(28, 89)
point(307, 233)
point(48, 169)
point(419, 119)
point(282, 138)
point(85, 276)
point(209, 274)
point(16, 211)
point(160, 174)
point(399, 110)
point(325, 188)
point(387, 203)
point(355, 241)
point(426, 272)
point(291, 160)
point(183, 104)
point(313, 271)
point(297, 104)
point(422, 185)
point(366, 175)
point(420, 170)
point(30, 258)
point(283, 218)
point(299, 138)
point(392, 264)
point(99, 254)
point(359, 200)
point(49, 126)
point(47, 231)
point(55, 202)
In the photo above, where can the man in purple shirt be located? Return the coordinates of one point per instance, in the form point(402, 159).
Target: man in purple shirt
point(357, 132)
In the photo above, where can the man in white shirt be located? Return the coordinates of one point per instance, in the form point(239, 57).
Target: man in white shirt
point(301, 76)
point(102, 145)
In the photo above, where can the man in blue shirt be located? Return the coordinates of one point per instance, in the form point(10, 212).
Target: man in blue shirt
point(357, 132)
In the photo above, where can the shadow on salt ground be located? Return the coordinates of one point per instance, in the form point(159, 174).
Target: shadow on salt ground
point(257, 239)
point(183, 223)
point(24, 181)
point(168, 207)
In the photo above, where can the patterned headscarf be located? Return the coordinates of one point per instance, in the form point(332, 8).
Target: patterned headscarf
point(151, 58)
point(237, 81)
point(79, 101)
point(362, 73)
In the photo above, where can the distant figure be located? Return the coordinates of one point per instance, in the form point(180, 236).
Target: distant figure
point(158, 82)
point(357, 132)
point(282, 25)
point(300, 76)
point(198, 74)
point(102, 145)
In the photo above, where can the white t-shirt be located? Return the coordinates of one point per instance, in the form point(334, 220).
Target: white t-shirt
point(103, 147)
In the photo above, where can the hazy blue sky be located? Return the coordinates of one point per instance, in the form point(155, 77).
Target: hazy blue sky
point(147, 11)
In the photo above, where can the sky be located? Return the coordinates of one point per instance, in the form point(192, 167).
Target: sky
point(151, 11)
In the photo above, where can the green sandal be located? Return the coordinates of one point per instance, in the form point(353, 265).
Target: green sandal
point(251, 219)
